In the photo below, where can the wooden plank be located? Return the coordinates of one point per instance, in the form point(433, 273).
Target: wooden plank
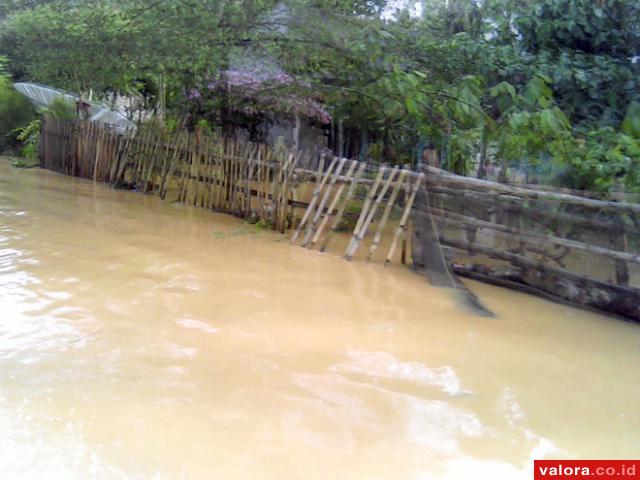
point(539, 239)
point(487, 187)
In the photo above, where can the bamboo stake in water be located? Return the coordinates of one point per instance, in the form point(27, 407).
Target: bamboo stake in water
point(96, 162)
point(211, 172)
point(195, 170)
point(264, 184)
point(142, 144)
point(168, 175)
point(225, 173)
point(165, 161)
point(392, 200)
point(148, 185)
point(314, 199)
point(259, 182)
point(184, 168)
point(276, 190)
point(273, 206)
point(405, 217)
point(153, 149)
point(289, 190)
point(372, 211)
point(113, 171)
point(364, 213)
point(320, 170)
point(203, 179)
point(144, 149)
point(333, 204)
point(230, 179)
point(327, 193)
point(250, 168)
point(237, 168)
point(220, 173)
point(343, 205)
point(286, 189)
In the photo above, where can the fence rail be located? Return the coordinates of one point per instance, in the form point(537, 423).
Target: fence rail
point(567, 247)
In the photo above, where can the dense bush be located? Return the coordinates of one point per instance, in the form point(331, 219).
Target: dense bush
point(15, 112)
point(60, 109)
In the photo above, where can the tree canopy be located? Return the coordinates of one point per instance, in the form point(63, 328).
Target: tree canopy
point(548, 86)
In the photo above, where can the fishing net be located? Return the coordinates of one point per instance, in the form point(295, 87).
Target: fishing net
point(42, 96)
point(574, 246)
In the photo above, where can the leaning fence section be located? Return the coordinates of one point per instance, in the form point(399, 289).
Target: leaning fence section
point(565, 246)
point(379, 199)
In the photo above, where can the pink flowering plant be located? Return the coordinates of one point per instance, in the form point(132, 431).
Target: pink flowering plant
point(237, 98)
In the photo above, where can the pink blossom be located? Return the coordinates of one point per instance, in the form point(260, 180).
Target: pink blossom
point(193, 94)
point(270, 93)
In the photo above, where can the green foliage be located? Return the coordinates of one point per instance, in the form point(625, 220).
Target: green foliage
point(548, 86)
point(30, 152)
point(585, 47)
point(600, 160)
point(15, 111)
point(631, 122)
point(4, 61)
point(204, 126)
point(30, 163)
point(29, 135)
point(263, 224)
point(171, 124)
point(61, 109)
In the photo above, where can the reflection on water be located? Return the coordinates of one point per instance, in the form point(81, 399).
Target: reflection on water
point(137, 340)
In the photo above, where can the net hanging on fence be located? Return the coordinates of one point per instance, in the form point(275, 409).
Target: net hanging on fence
point(565, 245)
point(42, 96)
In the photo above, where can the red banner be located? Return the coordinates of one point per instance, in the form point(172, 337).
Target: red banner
point(581, 469)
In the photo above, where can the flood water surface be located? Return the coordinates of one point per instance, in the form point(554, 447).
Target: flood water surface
point(143, 339)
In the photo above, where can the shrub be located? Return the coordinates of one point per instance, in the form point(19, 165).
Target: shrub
point(60, 109)
point(29, 135)
point(30, 152)
point(15, 111)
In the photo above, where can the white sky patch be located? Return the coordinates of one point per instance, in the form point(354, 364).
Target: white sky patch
point(396, 6)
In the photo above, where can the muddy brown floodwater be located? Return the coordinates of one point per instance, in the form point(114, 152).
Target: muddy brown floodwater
point(142, 339)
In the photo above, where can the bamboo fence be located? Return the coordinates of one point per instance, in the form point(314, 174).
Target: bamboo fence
point(241, 178)
point(539, 240)
point(230, 176)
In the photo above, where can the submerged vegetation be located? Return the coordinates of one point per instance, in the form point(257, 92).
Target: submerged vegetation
point(548, 88)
